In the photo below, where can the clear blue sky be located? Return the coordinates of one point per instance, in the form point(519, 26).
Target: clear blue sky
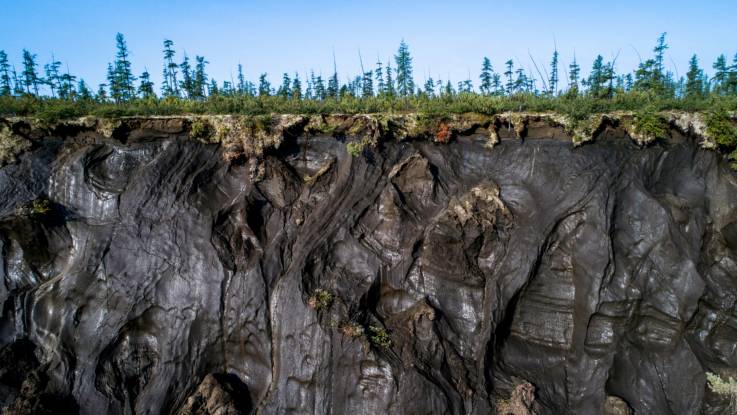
point(446, 38)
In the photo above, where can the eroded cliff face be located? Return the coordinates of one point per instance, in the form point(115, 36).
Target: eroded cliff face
point(175, 275)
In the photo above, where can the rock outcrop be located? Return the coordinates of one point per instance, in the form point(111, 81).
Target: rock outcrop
point(259, 267)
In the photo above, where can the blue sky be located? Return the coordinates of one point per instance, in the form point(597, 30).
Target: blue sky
point(446, 38)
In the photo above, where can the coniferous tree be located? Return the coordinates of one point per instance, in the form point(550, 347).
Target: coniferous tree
point(509, 74)
point(405, 81)
point(5, 88)
point(553, 81)
point(17, 83)
point(286, 86)
point(521, 83)
point(66, 85)
point(101, 95)
point(694, 79)
point(83, 91)
point(200, 77)
point(213, 89)
point(487, 77)
point(333, 86)
point(187, 83)
point(320, 90)
point(496, 84)
point(659, 50)
point(367, 84)
point(574, 73)
point(30, 77)
point(721, 74)
point(264, 87)
point(448, 90)
point(241, 80)
point(122, 68)
point(379, 74)
point(170, 88)
point(146, 88)
point(113, 82)
point(52, 75)
point(296, 87)
point(429, 87)
point(601, 78)
point(389, 82)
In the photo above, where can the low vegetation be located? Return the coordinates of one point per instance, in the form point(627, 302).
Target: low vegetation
point(379, 337)
point(11, 145)
point(320, 300)
point(37, 208)
point(726, 388)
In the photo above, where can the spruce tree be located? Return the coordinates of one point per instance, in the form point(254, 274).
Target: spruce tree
point(509, 74)
point(487, 76)
point(389, 83)
point(52, 75)
point(122, 68)
point(200, 77)
point(83, 91)
point(114, 84)
point(264, 87)
point(66, 85)
point(379, 74)
point(574, 73)
point(285, 89)
point(429, 87)
point(17, 83)
point(101, 95)
point(29, 75)
point(333, 90)
point(296, 87)
point(367, 84)
point(170, 88)
point(241, 81)
point(405, 81)
point(721, 74)
point(320, 90)
point(694, 79)
point(146, 88)
point(553, 81)
point(187, 83)
point(5, 88)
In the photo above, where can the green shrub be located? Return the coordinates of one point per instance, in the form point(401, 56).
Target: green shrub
point(36, 208)
point(724, 388)
point(721, 129)
point(649, 124)
point(379, 337)
point(200, 129)
point(355, 148)
point(320, 299)
point(11, 145)
point(351, 329)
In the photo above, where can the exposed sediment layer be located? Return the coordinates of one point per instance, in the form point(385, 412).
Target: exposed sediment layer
point(365, 264)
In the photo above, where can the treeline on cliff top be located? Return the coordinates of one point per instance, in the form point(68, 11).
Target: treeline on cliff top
point(51, 92)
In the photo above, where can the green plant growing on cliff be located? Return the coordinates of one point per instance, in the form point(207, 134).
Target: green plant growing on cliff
point(721, 129)
point(726, 388)
point(320, 299)
point(200, 129)
point(649, 124)
point(379, 337)
point(355, 148)
point(11, 145)
point(37, 208)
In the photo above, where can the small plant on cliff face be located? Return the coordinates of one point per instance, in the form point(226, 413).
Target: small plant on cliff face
point(200, 129)
point(355, 148)
point(37, 208)
point(726, 388)
point(649, 124)
point(351, 329)
point(719, 126)
point(11, 145)
point(379, 337)
point(320, 300)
